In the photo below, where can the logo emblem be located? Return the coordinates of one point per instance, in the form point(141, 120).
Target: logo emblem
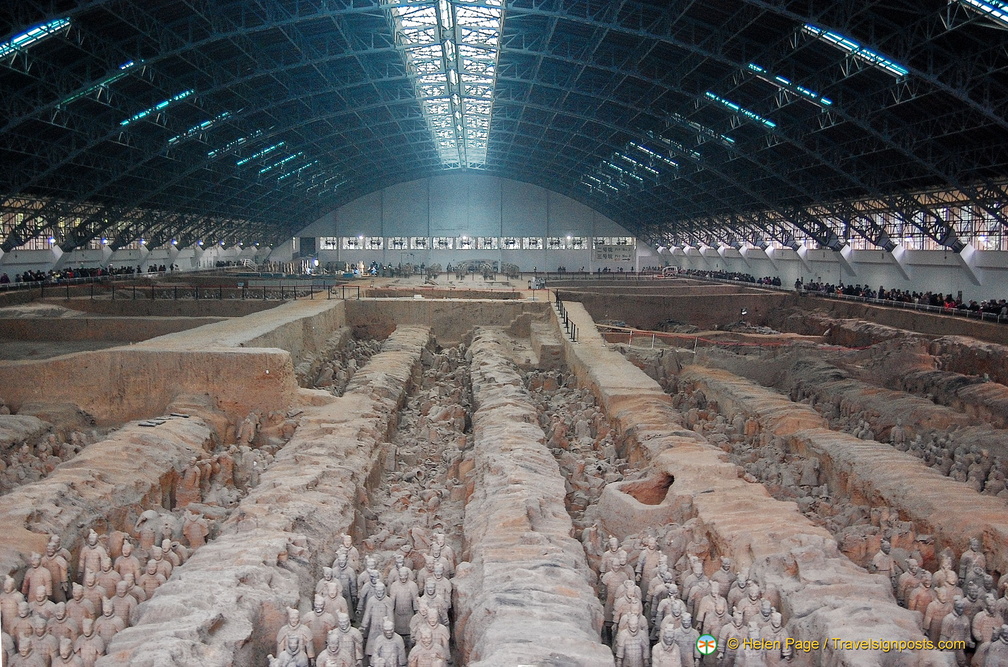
point(706, 644)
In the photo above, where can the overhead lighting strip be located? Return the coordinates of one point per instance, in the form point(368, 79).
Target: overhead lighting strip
point(783, 83)
point(32, 36)
point(751, 115)
point(265, 151)
point(231, 145)
point(852, 48)
point(157, 107)
point(450, 48)
point(281, 162)
point(702, 130)
point(197, 129)
point(123, 71)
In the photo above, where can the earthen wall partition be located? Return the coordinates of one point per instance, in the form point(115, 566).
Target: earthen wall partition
point(245, 363)
point(224, 606)
point(525, 595)
point(870, 472)
point(822, 593)
point(450, 320)
point(112, 328)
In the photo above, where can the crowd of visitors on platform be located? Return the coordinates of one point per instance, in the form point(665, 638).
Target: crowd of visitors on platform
point(69, 274)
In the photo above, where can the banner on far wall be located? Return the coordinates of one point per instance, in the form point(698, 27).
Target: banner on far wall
point(613, 253)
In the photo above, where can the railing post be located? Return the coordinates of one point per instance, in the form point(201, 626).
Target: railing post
point(220, 292)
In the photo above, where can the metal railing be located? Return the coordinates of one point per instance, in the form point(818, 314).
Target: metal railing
point(569, 326)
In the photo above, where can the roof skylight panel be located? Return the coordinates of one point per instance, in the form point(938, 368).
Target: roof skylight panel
point(856, 50)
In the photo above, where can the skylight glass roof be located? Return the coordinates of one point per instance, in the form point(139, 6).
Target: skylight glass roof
point(29, 37)
point(992, 9)
point(854, 49)
point(702, 130)
point(450, 48)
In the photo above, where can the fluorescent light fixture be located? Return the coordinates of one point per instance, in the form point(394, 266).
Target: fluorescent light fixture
point(676, 146)
point(157, 107)
point(654, 154)
point(450, 48)
point(992, 9)
point(702, 130)
point(296, 171)
point(854, 49)
point(783, 83)
point(265, 151)
point(751, 115)
point(33, 35)
point(196, 129)
point(231, 145)
point(104, 83)
point(282, 162)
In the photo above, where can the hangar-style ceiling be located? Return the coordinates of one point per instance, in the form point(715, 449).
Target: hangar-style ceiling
point(718, 119)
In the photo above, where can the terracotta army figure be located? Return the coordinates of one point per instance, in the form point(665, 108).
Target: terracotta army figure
point(27, 655)
point(972, 556)
point(327, 576)
point(632, 646)
point(647, 564)
point(164, 566)
point(293, 654)
point(752, 654)
point(936, 612)
point(62, 625)
point(41, 605)
point(739, 591)
point(442, 584)
point(151, 578)
point(439, 558)
point(716, 619)
point(379, 607)
point(440, 632)
point(22, 624)
point(985, 620)
point(610, 554)
point(883, 563)
point(724, 576)
point(334, 601)
point(366, 589)
point(329, 657)
point(625, 606)
point(36, 576)
point(735, 630)
point(982, 650)
point(195, 529)
point(353, 555)
point(775, 632)
point(123, 604)
point(187, 490)
point(997, 654)
point(686, 637)
point(107, 577)
point(347, 578)
point(426, 653)
point(666, 652)
point(908, 581)
point(295, 626)
point(405, 600)
point(613, 581)
point(349, 641)
point(921, 596)
point(44, 643)
point(128, 563)
point(660, 591)
point(320, 622)
point(437, 605)
point(390, 646)
point(108, 624)
point(446, 552)
point(956, 627)
point(66, 655)
point(138, 593)
point(57, 566)
point(392, 568)
point(91, 555)
point(9, 600)
point(750, 606)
